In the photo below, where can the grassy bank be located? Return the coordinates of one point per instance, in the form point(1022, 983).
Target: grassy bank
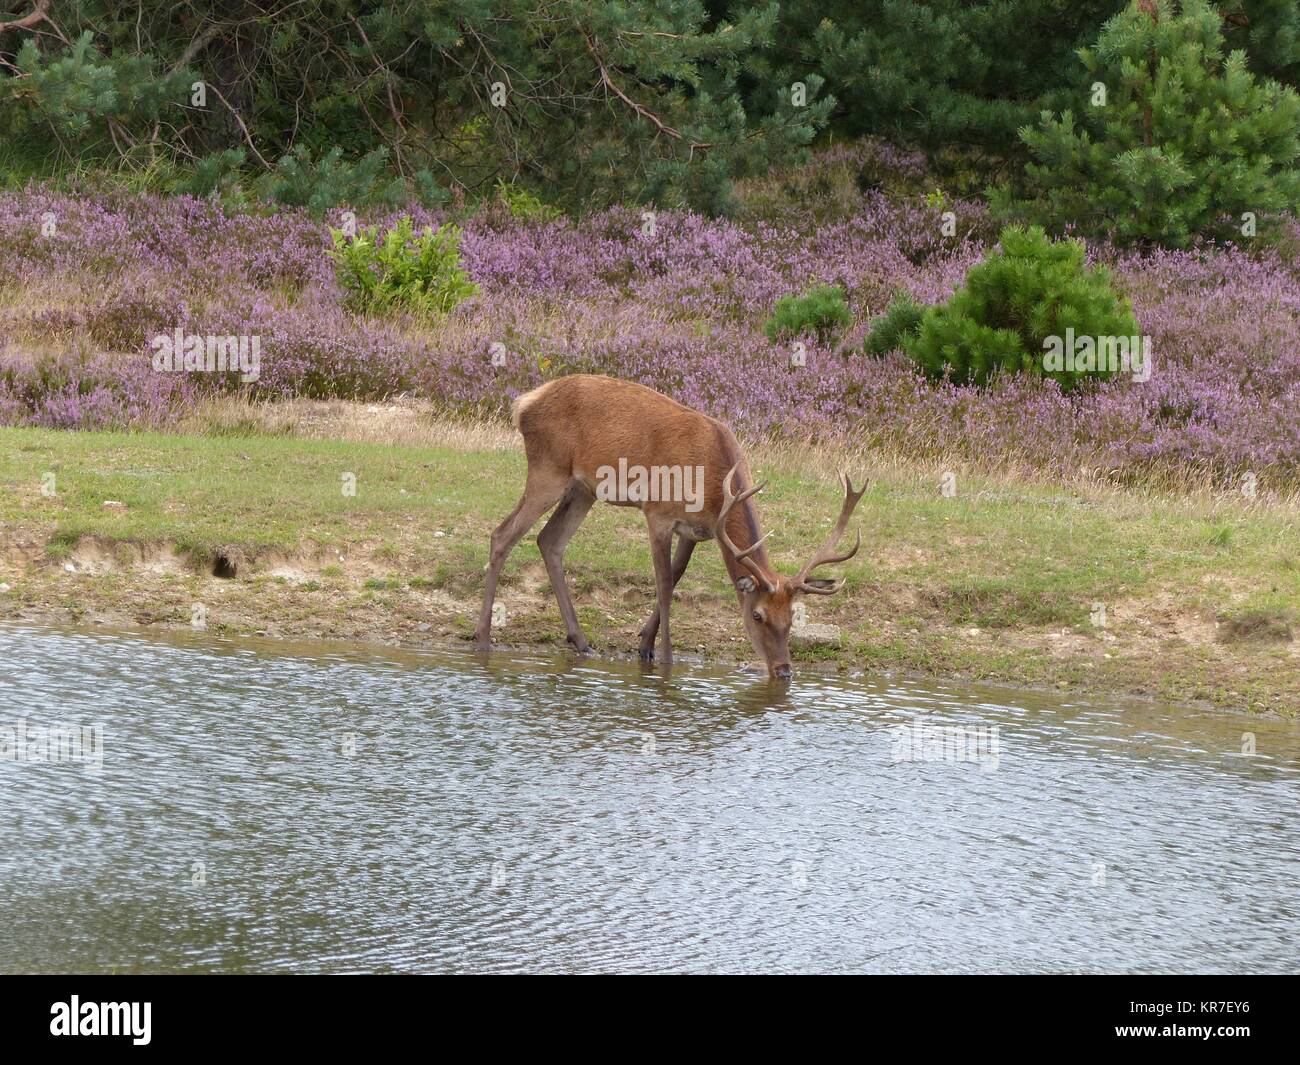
point(999, 582)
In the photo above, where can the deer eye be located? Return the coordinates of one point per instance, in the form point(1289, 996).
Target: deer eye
point(758, 615)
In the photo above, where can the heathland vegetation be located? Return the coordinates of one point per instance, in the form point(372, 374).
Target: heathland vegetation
point(1059, 280)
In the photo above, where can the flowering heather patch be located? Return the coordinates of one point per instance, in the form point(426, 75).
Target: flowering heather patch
point(669, 298)
point(88, 392)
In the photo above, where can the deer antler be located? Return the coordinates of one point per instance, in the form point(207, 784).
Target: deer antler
point(825, 555)
point(720, 529)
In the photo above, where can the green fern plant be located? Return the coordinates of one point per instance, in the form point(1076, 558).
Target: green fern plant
point(402, 270)
point(523, 205)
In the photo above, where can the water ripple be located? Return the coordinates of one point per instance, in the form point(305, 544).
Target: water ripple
point(274, 807)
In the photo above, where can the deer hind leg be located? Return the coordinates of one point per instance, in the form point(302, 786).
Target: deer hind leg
point(552, 541)
point(542, 490)
point(681, 558)
point(661, 550)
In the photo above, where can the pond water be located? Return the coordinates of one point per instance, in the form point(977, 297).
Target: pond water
point(234, 805)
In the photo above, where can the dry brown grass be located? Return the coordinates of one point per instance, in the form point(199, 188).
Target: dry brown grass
point(421, 423)
point(407, 422)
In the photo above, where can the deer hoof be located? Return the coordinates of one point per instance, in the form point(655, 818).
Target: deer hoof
point(646, 654)
point(579, 644)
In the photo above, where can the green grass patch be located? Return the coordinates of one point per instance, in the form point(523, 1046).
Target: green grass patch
point(1023, 562)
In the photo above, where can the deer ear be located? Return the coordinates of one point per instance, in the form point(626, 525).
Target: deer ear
point(746, 584)
point(821, 584)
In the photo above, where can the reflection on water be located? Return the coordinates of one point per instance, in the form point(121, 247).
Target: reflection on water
point(264, 806)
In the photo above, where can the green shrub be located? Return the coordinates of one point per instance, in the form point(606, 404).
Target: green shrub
point(820, 311)
point(402, 270)
point(899, 321)
point(1026, 291)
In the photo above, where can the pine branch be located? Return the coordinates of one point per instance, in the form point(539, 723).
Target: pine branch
point(33, 18)
point(645, 113)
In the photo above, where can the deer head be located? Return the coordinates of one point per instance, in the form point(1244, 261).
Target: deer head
point(767, 599)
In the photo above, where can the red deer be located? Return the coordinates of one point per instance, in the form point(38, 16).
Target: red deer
point(582, 435)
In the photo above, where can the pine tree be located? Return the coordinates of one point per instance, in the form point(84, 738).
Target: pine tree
point(81, 98)
point(1172, 141)
point(948, 74)
point(942, 74)
point(1269, 33)
point(583, 101)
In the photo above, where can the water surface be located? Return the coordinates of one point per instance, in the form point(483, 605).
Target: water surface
point(264, 806)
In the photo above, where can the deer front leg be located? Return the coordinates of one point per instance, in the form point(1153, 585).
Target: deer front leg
point(540, 494)
point(681, 558)
point(661, 545)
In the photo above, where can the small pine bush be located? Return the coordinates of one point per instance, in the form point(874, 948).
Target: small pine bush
point(899, 321)
point(215, 174)
point(1024, 292)
point(402, 270)
point(820, 311)
point(300, 180)
point(319, 184)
